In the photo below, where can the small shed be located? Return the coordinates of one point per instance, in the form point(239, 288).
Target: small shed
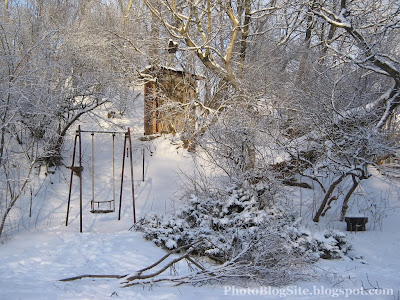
point(163, 86)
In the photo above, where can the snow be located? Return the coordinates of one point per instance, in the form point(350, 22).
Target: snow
point(39, 251)
point(342, 18)
point(171, 244)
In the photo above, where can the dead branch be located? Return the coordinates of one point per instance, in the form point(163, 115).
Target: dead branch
point(167, 255)
point(92, 276)
point(139, 275)
point(170, 264)
point(303, 185)
point(239, 267)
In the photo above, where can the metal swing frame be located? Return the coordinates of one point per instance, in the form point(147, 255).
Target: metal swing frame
point(78, 170)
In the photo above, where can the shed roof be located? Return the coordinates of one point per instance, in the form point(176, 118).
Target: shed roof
point(152, 71)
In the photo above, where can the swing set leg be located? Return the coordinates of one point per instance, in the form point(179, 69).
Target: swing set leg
point(70, 182)
point(80, 179)
point(77, 136)
point(129, 149)
point(122, 180)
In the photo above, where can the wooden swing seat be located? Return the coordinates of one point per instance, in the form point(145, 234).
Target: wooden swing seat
point(99, 210)
point(105, 211)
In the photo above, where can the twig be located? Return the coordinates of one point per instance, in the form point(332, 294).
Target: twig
point(196, 263)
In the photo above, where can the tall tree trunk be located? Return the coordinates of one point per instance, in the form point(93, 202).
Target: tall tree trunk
point(245, 33)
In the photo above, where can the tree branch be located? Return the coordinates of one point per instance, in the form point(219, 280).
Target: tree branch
point(92, 276)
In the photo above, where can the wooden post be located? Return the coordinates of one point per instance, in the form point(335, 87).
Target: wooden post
point(143, 165)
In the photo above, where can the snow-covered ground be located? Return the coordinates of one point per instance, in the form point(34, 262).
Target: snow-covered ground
point(39, 251)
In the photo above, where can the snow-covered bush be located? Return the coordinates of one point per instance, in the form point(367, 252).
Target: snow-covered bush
point(330, 244)
point(235, 224)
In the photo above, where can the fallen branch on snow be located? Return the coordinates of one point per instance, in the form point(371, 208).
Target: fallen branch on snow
point(92, 276)
point(139, 276)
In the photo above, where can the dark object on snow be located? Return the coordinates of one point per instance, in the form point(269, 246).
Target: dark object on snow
point(172, 46)
point(356, 223)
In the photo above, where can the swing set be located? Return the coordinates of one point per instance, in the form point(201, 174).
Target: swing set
point(101, 206)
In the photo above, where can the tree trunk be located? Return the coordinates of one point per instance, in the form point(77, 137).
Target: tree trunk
point(327, 197)
point(345, 205)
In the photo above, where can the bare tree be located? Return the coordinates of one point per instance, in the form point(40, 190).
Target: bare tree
point(346, 88)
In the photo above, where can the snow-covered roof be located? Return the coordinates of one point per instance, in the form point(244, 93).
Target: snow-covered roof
point(152, 70)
